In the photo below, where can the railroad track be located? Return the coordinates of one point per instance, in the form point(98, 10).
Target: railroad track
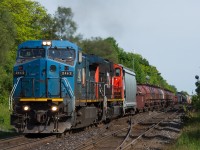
point(115, 139)
point(141, 129)
point(23, 142)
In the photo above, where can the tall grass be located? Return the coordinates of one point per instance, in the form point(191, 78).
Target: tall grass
point(4, 118)
point(6, 130)
point(190, 136)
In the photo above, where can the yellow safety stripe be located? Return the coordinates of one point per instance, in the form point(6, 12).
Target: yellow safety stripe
point(115, 100)
point(41, 99)
point(88, 101)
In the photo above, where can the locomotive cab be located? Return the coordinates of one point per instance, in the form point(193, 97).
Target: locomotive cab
point(118, 82)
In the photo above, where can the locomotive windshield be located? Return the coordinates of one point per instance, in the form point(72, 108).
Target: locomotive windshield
point(29, 54)
point(63, 55)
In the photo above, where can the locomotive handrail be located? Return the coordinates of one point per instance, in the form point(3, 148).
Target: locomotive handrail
point(69, 87)
point(12, 93)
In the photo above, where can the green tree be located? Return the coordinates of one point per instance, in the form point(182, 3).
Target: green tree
point(106, 48)
point(19, 21)
point(64, 26)
point(27, 17)
point(49, 29)
point(7, 36)
point(196, 98)
point(196, 102)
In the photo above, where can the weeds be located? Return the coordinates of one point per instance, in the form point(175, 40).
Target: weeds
point(189, 139)
point(4, 118)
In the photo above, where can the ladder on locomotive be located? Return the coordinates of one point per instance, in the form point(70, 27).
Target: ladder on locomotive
point(12, 93)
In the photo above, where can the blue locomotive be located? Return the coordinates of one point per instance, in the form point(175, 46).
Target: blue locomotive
point(57, 88)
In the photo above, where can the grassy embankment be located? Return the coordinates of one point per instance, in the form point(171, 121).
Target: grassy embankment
point(190, 136)
point(5, 127)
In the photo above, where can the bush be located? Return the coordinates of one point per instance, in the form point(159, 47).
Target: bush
point(196, 102)
point(4, 117)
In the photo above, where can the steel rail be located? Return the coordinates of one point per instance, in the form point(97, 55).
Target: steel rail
point(15, 143)
point(91, 142)
point(150, 129)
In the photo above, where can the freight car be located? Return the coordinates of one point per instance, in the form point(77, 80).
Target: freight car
point(183, 98)
point(57, 88)
point(150, 97)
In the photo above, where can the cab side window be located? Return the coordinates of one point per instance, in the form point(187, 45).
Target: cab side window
point(117, 72)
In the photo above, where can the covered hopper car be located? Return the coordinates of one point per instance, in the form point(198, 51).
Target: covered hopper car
point(151, 97)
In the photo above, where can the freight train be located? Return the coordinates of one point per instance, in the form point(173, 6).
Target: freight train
point(57, 88)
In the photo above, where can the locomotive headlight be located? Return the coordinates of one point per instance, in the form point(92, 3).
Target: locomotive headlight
point(46, 43)
point(26, 108)
point(54, 108)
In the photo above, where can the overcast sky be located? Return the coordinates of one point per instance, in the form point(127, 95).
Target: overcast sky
point(165, 32)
